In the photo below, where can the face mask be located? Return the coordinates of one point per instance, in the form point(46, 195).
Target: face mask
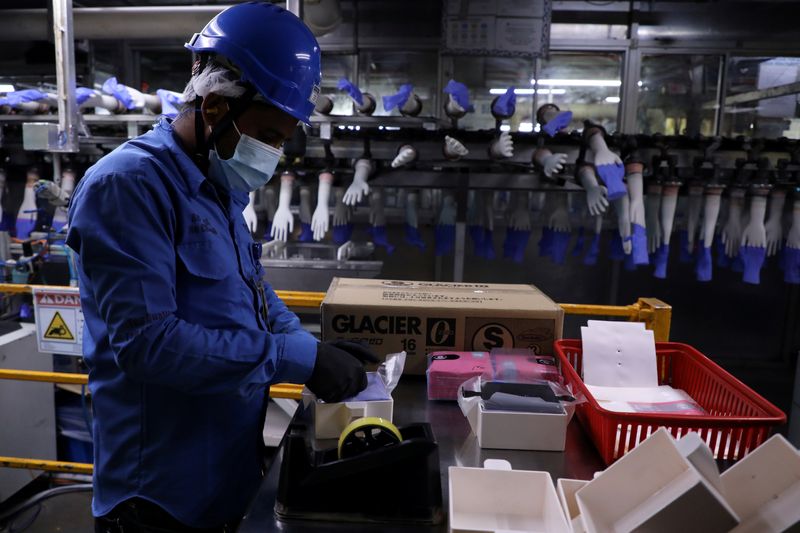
point(250, 167)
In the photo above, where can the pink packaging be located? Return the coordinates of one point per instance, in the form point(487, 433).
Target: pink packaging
point(448, 370)
point(524, 368)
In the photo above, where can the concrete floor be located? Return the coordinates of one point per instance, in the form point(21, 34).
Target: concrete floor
point(65, 513)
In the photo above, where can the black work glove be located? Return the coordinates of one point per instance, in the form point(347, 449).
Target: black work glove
point(339, 370)
point(358, 350)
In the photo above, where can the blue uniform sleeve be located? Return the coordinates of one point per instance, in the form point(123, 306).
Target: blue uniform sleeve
point(129, 264)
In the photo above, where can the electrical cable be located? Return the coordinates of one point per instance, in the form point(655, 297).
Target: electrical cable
point(44, 495)
point(13, 528)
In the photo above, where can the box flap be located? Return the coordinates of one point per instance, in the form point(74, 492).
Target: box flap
point(396, 293)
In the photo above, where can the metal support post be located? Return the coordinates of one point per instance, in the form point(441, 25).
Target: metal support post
point(65, 76)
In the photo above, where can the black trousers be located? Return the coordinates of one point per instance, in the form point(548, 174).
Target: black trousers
point(141, 516)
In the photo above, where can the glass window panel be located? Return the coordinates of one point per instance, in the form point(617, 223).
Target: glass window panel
point(164, 68)
point(487, 77)
point(678, 94)
point(588, 84)
point(765, 117)
point(335, 67)
point(588, 31)
point(382, 73)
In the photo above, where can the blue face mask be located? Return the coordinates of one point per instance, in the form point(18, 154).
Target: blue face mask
point(250, 167)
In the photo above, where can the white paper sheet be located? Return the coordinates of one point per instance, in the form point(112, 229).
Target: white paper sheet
point(618, 356)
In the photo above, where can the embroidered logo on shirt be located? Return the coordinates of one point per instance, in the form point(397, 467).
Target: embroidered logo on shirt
point(201, 225)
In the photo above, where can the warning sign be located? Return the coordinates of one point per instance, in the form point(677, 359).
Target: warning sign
point(59, 320)
point(58, 329)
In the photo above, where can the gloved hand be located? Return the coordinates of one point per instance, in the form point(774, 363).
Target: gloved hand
point(703, 268)
point(413, 237)
point(48, 190)
point(351, 89)
point(753, 259)
point(686, 251)
point(653, 219)
point(615, 251)
point(339, 370)
point(594, 249)
point(453, 148)
point(723, 261)
point(505, 104)
point(732, 232)
point(660, 260)
point(460, 95)
point(359, 187)
point(774, 224)
point(445, 239)
point(380, 238)
point(249, 214)
point(406, 154)
point(502, 147)
point(595, 196)
point(791, 265)
point(553, 164)
point(283, 220)
point(580, 242)
point(399, 99)
point(342, 234)
point(557, 123)
point(306, 233)
point(611, 174)
point(639, 245)
point(320, 220)
point(558, 248)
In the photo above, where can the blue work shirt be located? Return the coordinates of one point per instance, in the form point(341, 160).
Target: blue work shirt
point(181, 337)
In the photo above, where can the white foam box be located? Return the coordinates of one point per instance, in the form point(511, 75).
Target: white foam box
point(654, 488)
point(506, 430)
point(330, 419)
point(566, 489)
point(496, 498)
point(764, 488)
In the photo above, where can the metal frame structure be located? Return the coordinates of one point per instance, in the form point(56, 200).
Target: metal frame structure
point(656, 315)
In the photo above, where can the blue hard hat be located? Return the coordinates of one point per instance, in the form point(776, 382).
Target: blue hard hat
point(274, 50)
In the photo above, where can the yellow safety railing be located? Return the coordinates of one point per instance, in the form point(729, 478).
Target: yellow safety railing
point(655, 314)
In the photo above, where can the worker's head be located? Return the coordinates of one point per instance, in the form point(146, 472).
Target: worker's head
point(256, 75)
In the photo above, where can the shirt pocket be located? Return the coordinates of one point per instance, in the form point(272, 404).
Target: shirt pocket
point(210, 259)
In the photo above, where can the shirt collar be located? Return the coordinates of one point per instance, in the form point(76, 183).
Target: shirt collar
point(189, 171)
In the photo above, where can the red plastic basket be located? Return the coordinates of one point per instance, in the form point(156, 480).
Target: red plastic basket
point(738, 419)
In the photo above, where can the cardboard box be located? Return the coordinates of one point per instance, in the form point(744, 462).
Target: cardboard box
point(496, 498)
point(422, 317)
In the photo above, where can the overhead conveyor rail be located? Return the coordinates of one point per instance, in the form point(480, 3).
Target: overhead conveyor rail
point(655, 314)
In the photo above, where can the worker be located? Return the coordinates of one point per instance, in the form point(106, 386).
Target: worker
point(182, 336)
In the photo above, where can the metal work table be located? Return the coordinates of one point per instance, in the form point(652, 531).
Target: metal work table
point(457, 447)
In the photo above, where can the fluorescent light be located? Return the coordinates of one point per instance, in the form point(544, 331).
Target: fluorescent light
point(505, 127)
point(528, 91)
point(577, 82)
point(612, 99)
point(6, 88)
point(526, 126)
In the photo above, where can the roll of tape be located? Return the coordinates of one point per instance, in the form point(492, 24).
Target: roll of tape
point(366, 435)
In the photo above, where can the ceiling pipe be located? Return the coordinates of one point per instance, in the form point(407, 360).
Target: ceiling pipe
point(162, 22)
